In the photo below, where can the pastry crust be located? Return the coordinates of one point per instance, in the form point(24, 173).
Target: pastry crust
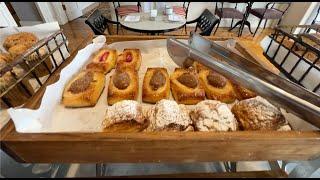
point(129, 93)
point(129, 59)
point(103, 61)
point(87, 97)
point(258, 114)
point(212, 115)
point(125, 116)
point(198, 66)
point(19, 38)
point(224, 94)
point(152, 96)
point(183, 94)
point(167, 115)
point(243, 93)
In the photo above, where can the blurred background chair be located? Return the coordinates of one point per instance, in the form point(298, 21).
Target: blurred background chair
point(205, 22)
point(123, 10)
point(228, 13)
point(269, 12)
point(99, 24)
point(183, 11)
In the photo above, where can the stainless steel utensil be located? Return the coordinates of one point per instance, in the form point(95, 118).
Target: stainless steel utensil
point(296, 99)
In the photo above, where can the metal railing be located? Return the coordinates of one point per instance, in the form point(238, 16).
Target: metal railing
point(30, 71)
point(295, 57)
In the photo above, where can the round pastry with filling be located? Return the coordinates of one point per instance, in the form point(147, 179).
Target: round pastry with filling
point(129, 59)
point(125, 116)
point(185, 87)
point(156, 85)
point(258, 114)
point(217, 87)
point(19, 38)
point(211, 115)
point(103, 61)
point(123, 85)
point(167, 115)
point(84, 89)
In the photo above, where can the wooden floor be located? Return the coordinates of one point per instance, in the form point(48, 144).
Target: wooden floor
point(80, 33)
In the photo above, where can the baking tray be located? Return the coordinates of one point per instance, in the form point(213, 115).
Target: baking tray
point(101, 147)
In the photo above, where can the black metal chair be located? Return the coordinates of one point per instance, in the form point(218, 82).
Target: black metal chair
point(183, 11)
point(205, 22)
point(228, 13)
point(269, 13)
point(123, 10)
point(99, 23)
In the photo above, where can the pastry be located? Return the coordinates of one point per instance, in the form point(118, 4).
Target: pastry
point(156, 85)
point(217, 87)
point(125, 116)
point(130, 58)
point(19, 49)
point(243, 93)
point(84, 89)
point(167, 115)
point(258, 114)
point(123, 85)
point(103, 61)
point(211, 115)
point(19, 38)
point(199, 66)
point(185, 87)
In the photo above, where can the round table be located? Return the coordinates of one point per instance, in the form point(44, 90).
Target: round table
point(161, 24)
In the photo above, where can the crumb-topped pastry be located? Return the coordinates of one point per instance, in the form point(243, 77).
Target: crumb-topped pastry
point(258, 114)
point(217, 87)
point(19, 38)
point(167, 115)
point(156, 85)
point(125, 116)
point(84, 89)
point(130, 58)
point(211, 115)
point(123, 85)
point(185, 87)
point(103, 61)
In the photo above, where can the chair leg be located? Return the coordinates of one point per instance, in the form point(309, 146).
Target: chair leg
point(231, 23)
point(217, 27)
point(257, 27)
point(265, 23)
point(185, 28)
point(117, 29)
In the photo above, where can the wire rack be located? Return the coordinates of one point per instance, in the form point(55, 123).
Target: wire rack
point(53, 53)
point(295, 51)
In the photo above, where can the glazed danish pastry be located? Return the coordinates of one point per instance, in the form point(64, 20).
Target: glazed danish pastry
point(123, 85)
point(125, 116)
point(217, 87)
point(156, 85)
point(84, 89)
point(104, 61)
point(130, 58)
point(185, 87)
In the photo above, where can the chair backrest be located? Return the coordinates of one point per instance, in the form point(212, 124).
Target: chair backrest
point(186, 7)
point(97, 23)
point(274, 3)
point(206, 22)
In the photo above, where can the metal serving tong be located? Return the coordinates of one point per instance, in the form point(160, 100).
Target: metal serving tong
point(279, 91)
